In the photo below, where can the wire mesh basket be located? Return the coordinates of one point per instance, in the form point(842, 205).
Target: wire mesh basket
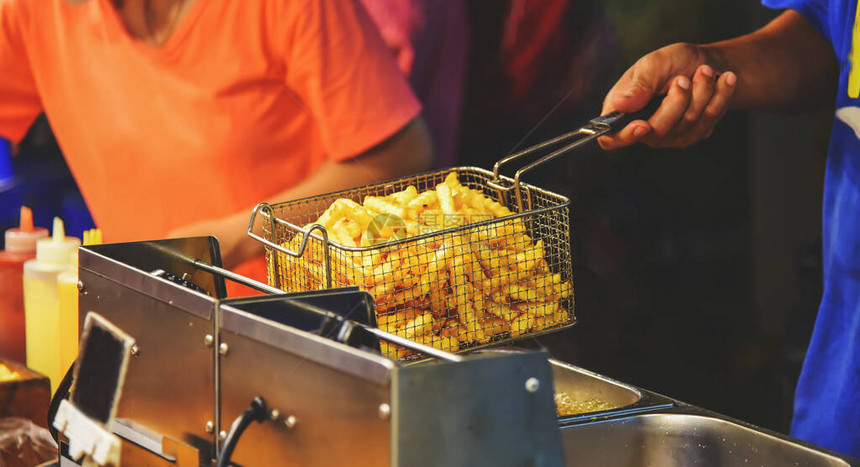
point(489, 262)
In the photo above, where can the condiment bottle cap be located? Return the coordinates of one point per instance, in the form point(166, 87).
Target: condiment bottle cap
point(23, 238)
point(56, 250)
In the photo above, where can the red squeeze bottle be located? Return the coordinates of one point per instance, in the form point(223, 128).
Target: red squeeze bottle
point(20, 248)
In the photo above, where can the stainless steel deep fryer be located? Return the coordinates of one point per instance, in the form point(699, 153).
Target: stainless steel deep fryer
point(200, 359)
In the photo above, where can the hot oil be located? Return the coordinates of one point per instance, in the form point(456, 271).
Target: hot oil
point(567, 405)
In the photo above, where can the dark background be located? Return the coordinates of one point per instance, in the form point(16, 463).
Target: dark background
point(696, 272)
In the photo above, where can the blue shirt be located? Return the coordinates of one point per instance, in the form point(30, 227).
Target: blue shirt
point(827, 399)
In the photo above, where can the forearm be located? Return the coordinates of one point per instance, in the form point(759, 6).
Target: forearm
point(785, 66)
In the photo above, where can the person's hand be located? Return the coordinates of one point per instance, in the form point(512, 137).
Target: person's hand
point(231, 232)
point(697, 96)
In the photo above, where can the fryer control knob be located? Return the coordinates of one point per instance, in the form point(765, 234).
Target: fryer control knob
point(532, 385)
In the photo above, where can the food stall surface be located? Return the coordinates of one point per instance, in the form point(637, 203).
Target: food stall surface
point(641, 427)
point(678, 439)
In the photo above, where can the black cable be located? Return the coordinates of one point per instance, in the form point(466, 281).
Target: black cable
point(257, 412)
point(62, 392)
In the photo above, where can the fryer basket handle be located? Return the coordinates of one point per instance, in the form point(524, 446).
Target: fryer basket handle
point(580, 137)
point(296, 254)
point(608, 123)
point(533, 149)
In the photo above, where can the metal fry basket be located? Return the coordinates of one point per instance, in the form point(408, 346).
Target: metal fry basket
point(453, 281)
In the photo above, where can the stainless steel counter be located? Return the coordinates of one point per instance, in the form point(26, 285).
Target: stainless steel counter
point(646, 428)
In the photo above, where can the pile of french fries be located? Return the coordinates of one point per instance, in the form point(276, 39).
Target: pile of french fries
point(450, 291)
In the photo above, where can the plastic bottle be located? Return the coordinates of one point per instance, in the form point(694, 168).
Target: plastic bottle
point(41, 302)
point(20, 248)
point(67, 289)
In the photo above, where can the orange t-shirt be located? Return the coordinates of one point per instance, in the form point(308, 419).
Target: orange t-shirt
point(244, 100)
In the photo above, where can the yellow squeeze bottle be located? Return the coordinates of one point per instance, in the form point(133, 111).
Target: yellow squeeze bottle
point(41, 302)
point(67, 290)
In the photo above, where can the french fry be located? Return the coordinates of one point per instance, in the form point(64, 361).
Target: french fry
point(335, 212)
point(542, 309)
point(438, 302)
point(507, 277)
point(426, 200)
point(528, 259)
point(447, 343)
point(420, 325)
point(438, 325)
point(387, 322)
point(549, 318)
point(494, 326)
point(341, 234)
point(522, 294)
point(452, 181)
point(405, 196)
point(566, 290)
point(462, 334)
point(446, 201)
point(402, 297)
point(501, 310)
point(522, 324)
point(382, 205)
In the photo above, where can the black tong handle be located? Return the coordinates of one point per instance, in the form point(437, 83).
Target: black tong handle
point(618, 120)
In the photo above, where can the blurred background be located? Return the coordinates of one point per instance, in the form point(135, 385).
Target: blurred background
point(696, 272)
